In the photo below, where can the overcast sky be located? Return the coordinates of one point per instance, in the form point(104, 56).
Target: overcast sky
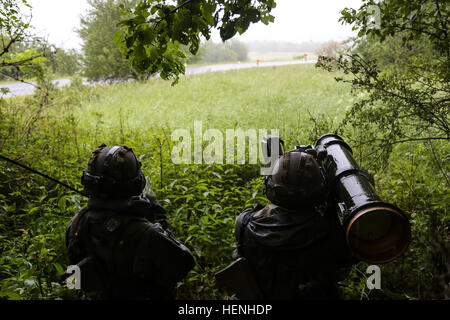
point(295, 21)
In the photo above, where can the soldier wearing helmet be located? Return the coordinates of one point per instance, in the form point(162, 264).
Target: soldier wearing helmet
point(120, 240)
point(294, 247)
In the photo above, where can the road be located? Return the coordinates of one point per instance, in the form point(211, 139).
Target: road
point(20, 89)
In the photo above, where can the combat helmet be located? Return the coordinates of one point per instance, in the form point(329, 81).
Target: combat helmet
point(296, 180)
point(113, 172)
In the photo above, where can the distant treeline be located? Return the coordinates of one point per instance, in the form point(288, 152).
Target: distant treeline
point(212, 52)
point(235, 50)
point(279, 46)
point(58, 61)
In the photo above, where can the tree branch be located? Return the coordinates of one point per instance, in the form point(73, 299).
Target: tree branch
point(21, 62)
point(444, 173)
point(172, 12)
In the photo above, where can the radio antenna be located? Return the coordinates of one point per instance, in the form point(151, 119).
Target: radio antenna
point(42, 175)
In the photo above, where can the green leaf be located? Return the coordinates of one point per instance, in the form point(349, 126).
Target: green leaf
point(10, 295)
point(62, 203)
point(58, 268)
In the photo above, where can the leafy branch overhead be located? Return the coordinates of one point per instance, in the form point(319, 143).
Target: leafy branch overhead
point(151, 34)
point(12, 25)
point(20, 52)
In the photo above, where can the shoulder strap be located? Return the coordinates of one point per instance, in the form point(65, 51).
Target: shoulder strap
point(241, 224)
point(72, 227)
point(74, 245)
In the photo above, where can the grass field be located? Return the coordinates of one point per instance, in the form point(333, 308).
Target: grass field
point(271, 97)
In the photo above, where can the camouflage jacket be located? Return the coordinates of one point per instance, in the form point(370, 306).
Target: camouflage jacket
point(131, 253)
point(293, 254)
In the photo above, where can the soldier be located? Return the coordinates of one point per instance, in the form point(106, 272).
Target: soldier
point(293, 248)
point(121, 240)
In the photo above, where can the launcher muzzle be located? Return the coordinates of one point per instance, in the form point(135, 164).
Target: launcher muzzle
point(376, 231)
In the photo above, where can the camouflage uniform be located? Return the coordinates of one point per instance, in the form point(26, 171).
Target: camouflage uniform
point(293, 255)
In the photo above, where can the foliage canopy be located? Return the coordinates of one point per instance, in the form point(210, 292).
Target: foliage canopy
point(19, 51)
point(401, 69)
point(151, 34)
point(102, 58)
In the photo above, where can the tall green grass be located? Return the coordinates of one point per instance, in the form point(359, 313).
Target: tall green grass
point(268, 97)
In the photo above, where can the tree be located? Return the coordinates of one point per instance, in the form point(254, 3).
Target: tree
point(329, 49)
point(66, 62)
point(20, 53)
point(217, 52)
point(391, 53)
point(406, 92)
point(211, 52)
point(151, 34)
point(102, 58)
point(239, 48)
